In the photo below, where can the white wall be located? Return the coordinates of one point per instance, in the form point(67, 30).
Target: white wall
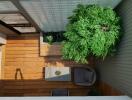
point(2, 38)
point(0, 60)
point(2, 41)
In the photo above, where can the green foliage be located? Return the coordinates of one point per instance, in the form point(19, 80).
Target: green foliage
point(49, 39)
point(92, 30)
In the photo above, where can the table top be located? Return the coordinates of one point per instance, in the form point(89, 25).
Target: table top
point(57, 74)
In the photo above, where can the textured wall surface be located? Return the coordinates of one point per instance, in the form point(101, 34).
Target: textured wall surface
point(117, 70)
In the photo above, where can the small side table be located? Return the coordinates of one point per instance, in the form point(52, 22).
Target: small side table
point(58, 73)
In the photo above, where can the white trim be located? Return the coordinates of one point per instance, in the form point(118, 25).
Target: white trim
point(69, 98)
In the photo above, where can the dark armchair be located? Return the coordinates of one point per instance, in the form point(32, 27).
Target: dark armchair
point(84, 76)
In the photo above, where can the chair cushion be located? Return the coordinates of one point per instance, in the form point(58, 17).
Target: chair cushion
point(88, 76)
point(79, 75)
point(83, 75)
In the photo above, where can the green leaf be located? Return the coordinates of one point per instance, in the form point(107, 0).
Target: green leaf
point(91, 30)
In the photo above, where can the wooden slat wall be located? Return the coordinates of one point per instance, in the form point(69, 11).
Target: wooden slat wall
point(24, 69)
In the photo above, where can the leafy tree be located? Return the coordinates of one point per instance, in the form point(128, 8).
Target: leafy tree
point(92, 30)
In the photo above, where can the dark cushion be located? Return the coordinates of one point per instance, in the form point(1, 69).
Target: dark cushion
point(88, 76)
point(83, 75)
point(79, 75)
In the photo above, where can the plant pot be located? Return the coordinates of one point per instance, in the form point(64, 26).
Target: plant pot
point(47, 49)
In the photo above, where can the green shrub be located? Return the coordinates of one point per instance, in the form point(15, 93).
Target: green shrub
point(48, 39)
point(92, 30)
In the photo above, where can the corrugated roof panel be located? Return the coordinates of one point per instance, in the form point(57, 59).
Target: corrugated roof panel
point(7, 6)
point(51, 15)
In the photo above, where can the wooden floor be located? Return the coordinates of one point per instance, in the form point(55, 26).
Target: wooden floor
point(107, 90)
point(23, 70)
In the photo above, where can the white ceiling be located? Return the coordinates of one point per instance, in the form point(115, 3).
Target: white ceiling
point(51, 15)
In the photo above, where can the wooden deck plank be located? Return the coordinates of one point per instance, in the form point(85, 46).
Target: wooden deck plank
point(22, 53)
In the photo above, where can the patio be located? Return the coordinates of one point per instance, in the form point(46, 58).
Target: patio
point(23, 53)
point(42, 51)
point(23, 74)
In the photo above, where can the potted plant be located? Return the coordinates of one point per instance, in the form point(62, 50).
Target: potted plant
point(48, 39)
point(92, 30)
point(50, 44)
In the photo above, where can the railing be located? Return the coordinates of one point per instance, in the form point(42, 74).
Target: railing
point(69, 98)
